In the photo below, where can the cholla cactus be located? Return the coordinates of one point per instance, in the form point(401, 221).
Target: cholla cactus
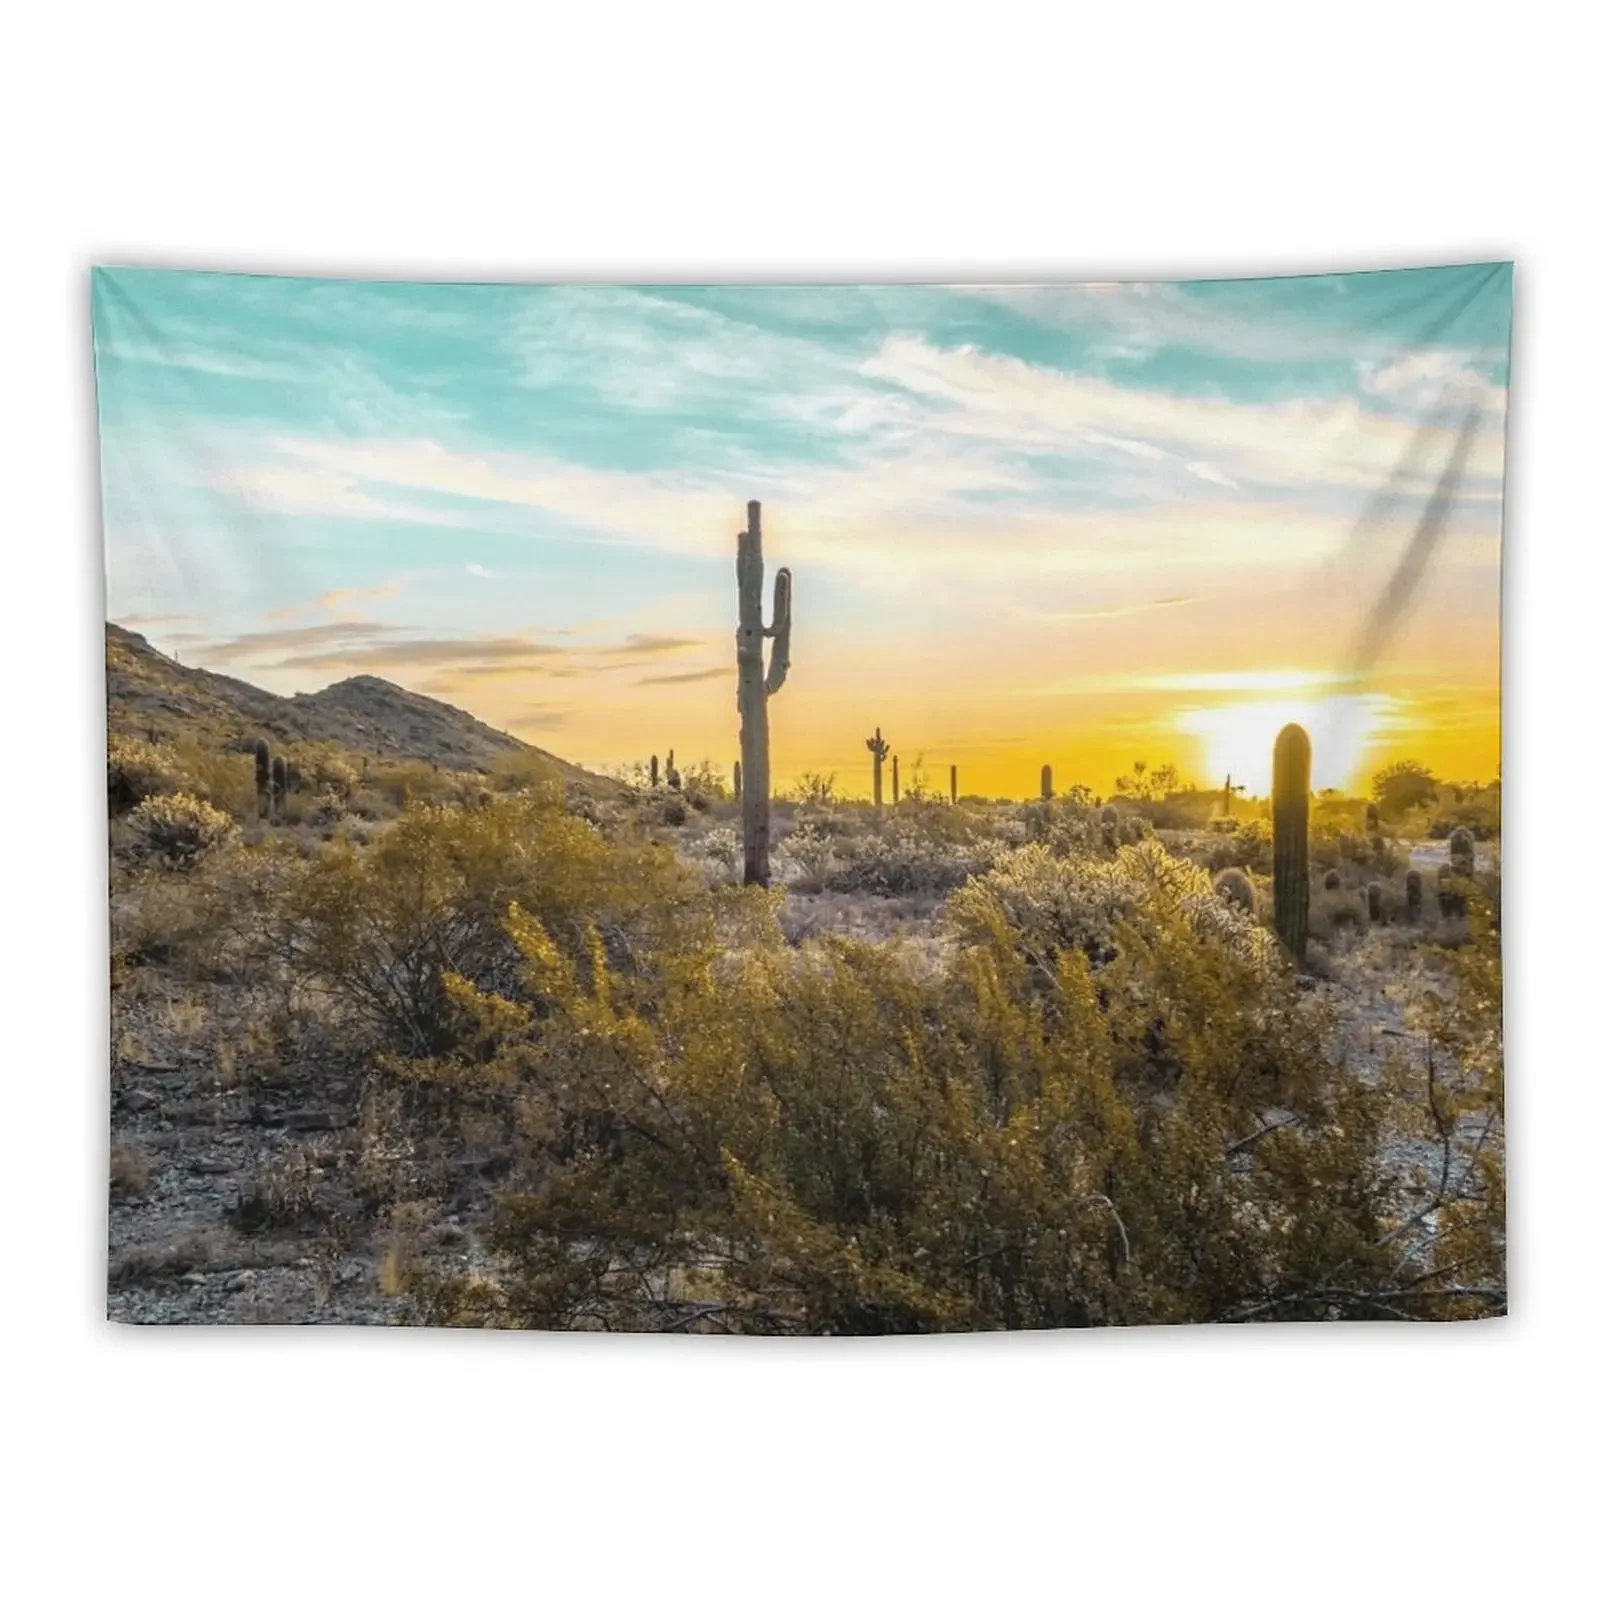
point(1375, 902)
point(1234, 885)
point(755, 690)
point(1047, 783)
point(879, 746)
point(177, 829)
point(263, 778)
point(1413, 896)
point(1462, 852)
point(1291, 821)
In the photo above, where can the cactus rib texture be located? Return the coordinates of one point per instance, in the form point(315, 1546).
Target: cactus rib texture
point(1291, 821)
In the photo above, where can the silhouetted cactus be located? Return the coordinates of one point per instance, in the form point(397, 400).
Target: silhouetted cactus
point(1462, 852)
point(1375, 902)
point(1330, 880)
point(1235, 885)
point(879, 747)
point(1291, 821)
point(1413, 896)
point(280, 780)
point(738, 780)
point(894, 780)
point(755, 690)
point(655, 773)
point(1452, 901)
point(1227, 794)
point(1047, 784)
point(674, 777)
point(263, 778)
point(1372, 817)
point(952, 783)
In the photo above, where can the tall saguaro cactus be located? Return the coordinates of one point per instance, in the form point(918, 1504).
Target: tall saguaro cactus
point(952, 783)
point(263, 778)
point(1291, 822)
point(758, 682)
point(1047, 786)
point(738, 780)
point(879, 747)
point(894, 780)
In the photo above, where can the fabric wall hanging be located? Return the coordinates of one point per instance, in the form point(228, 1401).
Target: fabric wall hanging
point(804, 810)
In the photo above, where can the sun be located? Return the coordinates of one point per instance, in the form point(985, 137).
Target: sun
point(1236, 736)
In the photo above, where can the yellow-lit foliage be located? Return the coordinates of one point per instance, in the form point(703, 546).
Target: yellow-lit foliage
point(386, 926)
point(1062, 1118)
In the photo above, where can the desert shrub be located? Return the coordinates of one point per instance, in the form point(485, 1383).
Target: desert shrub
point(811, 846)
point(1051, 905)
point(844, 1138)
point(175, 830)
point(1248, 846)
point(382, 927)
point(914, 849)
point(136, 770)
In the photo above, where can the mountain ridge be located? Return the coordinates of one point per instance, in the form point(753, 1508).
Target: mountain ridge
point(149, 693)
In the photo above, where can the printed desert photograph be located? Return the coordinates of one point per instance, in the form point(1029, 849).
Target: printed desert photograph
point(814, 810)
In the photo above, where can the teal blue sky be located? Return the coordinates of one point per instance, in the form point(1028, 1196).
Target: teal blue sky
point(470, 487)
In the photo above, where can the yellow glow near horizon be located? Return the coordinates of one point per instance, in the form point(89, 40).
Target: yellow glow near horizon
point(1237, 737)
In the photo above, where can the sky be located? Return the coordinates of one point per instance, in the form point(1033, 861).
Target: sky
point(1080, 524)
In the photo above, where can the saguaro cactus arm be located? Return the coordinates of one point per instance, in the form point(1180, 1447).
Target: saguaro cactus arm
point(778, 665)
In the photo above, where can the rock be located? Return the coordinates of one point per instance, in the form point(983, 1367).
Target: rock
point(311, 1121)
point(141, 1100)
point(241, 1281)
point(209, 1165)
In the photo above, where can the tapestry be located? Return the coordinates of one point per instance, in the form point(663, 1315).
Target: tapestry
point(804, 809)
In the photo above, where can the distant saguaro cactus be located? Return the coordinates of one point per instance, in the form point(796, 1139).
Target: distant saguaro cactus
point(674, 777)
point(1047, 786)
point(655, 773)
point(894, 780)
point(755, 690)
point(879, 746)
point(1291, 820)
point(1375, 902)
point(952, 783)
point(263, 778)
point(738, 780)
point(1227, 794)
point(1461, 852)
point(1413, 896)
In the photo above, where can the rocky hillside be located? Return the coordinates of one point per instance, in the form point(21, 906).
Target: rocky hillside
point(147, 692)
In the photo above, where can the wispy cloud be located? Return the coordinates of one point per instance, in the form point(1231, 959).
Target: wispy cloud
point(686, 677)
